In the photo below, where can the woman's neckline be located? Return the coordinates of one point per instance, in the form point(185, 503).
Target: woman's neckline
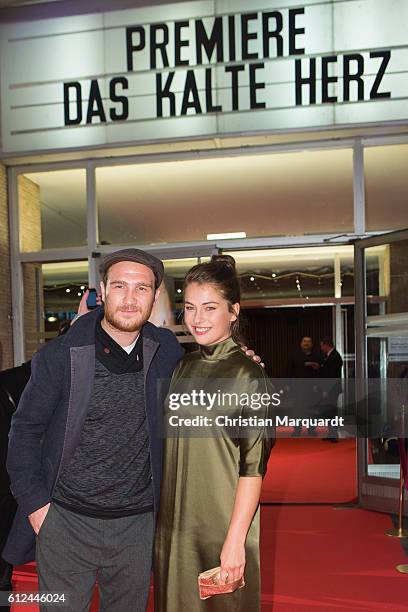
point(219, 350)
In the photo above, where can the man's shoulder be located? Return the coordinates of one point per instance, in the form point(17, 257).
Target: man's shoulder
point(160, 334)
point(51, 349)
point(82, 330)
point(165, 337)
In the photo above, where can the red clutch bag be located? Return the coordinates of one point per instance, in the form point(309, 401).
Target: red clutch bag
point(209, 584)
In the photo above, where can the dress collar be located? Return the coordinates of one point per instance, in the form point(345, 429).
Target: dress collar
point(220, 350)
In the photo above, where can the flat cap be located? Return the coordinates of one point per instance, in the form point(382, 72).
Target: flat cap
point(137, 256)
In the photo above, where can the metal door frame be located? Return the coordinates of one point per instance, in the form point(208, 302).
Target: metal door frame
point(375, 493)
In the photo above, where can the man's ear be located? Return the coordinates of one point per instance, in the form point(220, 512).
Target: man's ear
point(103, 292)
point(156, 295)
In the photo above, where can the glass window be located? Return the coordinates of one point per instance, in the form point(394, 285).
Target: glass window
point(52, 292)
point(260, 195)
point(387, 277)
point(386, 187)
point(387, 360)
point(280, 274)
point(347, 274)
point(52, 209)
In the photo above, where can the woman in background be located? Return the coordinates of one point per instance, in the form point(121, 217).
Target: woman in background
point(209, 507)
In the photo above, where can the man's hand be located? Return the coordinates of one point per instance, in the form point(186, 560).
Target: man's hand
point(37, 518)
point(250, 353)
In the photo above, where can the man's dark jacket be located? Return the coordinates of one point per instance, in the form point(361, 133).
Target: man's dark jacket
point(332, 365)
point(12, 384)
point(46, 428)
point(331, 370)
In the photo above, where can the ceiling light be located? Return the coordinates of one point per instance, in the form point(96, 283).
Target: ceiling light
point(252, 278)
point(82, 287)
point(273, 275)
point(227, 236)
point(68, 290)
point(178, 290)
point(51, 319)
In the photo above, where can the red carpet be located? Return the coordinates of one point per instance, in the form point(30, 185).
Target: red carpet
point(315, 558)
point(318, 559)
point(311, 470)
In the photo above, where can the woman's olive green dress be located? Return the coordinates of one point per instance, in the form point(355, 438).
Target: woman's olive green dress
point(200, 478)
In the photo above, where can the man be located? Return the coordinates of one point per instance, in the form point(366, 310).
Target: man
point(304, 363)
point(331, 371)
point(85, 454)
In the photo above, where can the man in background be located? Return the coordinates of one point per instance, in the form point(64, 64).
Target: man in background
point(304, 363)
point(12, 383)
point(330, 370)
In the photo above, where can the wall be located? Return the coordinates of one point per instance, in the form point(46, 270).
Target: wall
point(30, 240)
point(6, 345)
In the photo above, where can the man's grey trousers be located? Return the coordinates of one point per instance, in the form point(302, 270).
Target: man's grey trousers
point(74, 550)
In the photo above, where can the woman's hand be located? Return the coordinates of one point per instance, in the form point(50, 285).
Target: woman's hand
point(232, 561)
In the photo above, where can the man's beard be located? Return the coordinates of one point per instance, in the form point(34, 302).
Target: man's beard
point(125, 325)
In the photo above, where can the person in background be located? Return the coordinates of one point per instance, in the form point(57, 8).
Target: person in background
point(304, 363)
point(12, 384)
point(330, 369)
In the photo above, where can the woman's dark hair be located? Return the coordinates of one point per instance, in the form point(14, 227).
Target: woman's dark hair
point(221, 273)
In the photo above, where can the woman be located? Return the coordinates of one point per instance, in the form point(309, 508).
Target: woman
point(209, 513)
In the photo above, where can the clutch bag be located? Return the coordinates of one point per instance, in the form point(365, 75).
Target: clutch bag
point(209, 584)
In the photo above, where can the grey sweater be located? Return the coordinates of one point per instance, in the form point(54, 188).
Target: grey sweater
point(110, 473)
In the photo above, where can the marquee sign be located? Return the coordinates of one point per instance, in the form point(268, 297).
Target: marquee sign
point(202, 68)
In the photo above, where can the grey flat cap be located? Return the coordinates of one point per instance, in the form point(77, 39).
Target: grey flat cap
point(137, 256)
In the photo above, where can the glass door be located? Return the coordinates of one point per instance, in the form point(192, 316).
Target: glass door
point(381, 320)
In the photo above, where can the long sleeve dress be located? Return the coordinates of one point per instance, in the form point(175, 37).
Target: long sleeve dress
point(200, 478)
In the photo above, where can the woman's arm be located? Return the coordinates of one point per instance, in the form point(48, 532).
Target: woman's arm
point(245, 505)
